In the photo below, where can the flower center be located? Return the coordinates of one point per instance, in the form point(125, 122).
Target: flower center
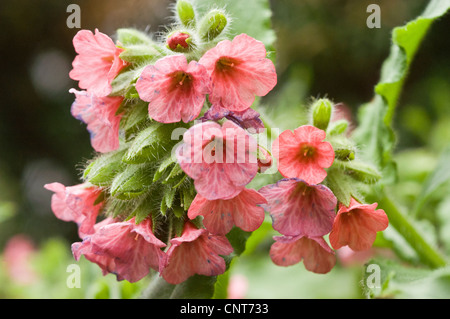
point(306, 152)
point(226, 63)
point(180, 80)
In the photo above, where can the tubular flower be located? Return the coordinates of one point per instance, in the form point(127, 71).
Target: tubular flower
point(239, 70)
point(99, 113)
point(76, 204)
point(97, 62)
point(357, 225)
point(195, 252)
point(175, 89)
point(303, 154)
point(123, 248)
point(317, 256)
point(221, 215)
point(220, 160)
point(299, 208)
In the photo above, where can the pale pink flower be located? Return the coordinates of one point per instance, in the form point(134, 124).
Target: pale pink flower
point(99, 113)
point(299, 208)
point(317, 256)
point(18, 255)
point(195, 252)
point(175, 89)
point(221, 215)
point(125, 249)
point(237, 287)
point(303, 154)
point(239, 70)
point(97, 62)
point(76, 204)
point(357, 225)
point(220, 159)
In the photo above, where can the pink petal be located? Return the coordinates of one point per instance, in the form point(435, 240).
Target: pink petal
point(201, 250)
point(99, 113)
point(252, 75)
point(317, 256)
point(297, 208)
point(357, 226)
point(170, 102)
point(221, 215)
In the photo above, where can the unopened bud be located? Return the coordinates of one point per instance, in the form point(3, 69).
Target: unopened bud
point(212, 25)
point(337, 127)
point(321, 113)
point(186, 13)
point(179, 41)
point(264, 160)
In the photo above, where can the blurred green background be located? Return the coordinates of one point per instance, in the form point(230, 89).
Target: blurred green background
point(323, 49)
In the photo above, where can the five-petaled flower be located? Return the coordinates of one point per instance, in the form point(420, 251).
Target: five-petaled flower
point(239, 70)
point(220, 159)
point(195, 252)
point(357, 225)
point(303, 154)
point(297, 207)
point(175, 89)
point(97, 62)
point(100, 115)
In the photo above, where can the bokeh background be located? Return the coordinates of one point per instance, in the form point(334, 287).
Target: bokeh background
point(324, 49)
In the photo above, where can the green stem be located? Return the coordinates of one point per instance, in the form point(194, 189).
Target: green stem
point(427, 254)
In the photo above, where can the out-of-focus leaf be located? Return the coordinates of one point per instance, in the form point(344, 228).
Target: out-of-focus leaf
point(438, 177)
point(398, 281)
point(374, 132)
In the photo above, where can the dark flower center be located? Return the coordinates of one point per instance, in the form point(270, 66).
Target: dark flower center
point(227, 63)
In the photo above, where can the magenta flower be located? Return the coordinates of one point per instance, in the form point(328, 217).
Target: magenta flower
point(221, 215)
point(175, 89)
point(123, 248)
point(317, 256)
point(303, 154)
point(97, 62)
point(298, 208)
point(357, 225)
point(221, 160)
point(239, 70)
point(99, 113)
point(195, 252)
point(76, 204)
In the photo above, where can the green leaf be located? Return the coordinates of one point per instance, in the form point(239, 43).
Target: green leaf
point(342, 185)
point(141, 53)
point(374, 133)
point(130, 36)
point(123, 83)
point(104, 168)
point(437, 178)
point(132, 182)
point(402, 282)
point(135, 117)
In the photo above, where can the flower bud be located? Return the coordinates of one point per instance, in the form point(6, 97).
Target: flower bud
point(186, 13)
point(212, 25)
point(321, 113)
point(179, 41)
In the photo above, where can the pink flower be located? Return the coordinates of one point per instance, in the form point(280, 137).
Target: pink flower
point(99, 113)
point(76, 204)
point(239, 70)
point(221, 215)
point(123, 248)
point(298, 208)
point(317, 256)
point(357, 225)
point(195, 252)
point(175, 89)
point(97, 62)
point(221, 160)
point(18, 254)
point(303, 154)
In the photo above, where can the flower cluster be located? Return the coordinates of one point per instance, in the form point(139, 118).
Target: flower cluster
point(149, 202)
point(134, 93)
point(303, 208)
